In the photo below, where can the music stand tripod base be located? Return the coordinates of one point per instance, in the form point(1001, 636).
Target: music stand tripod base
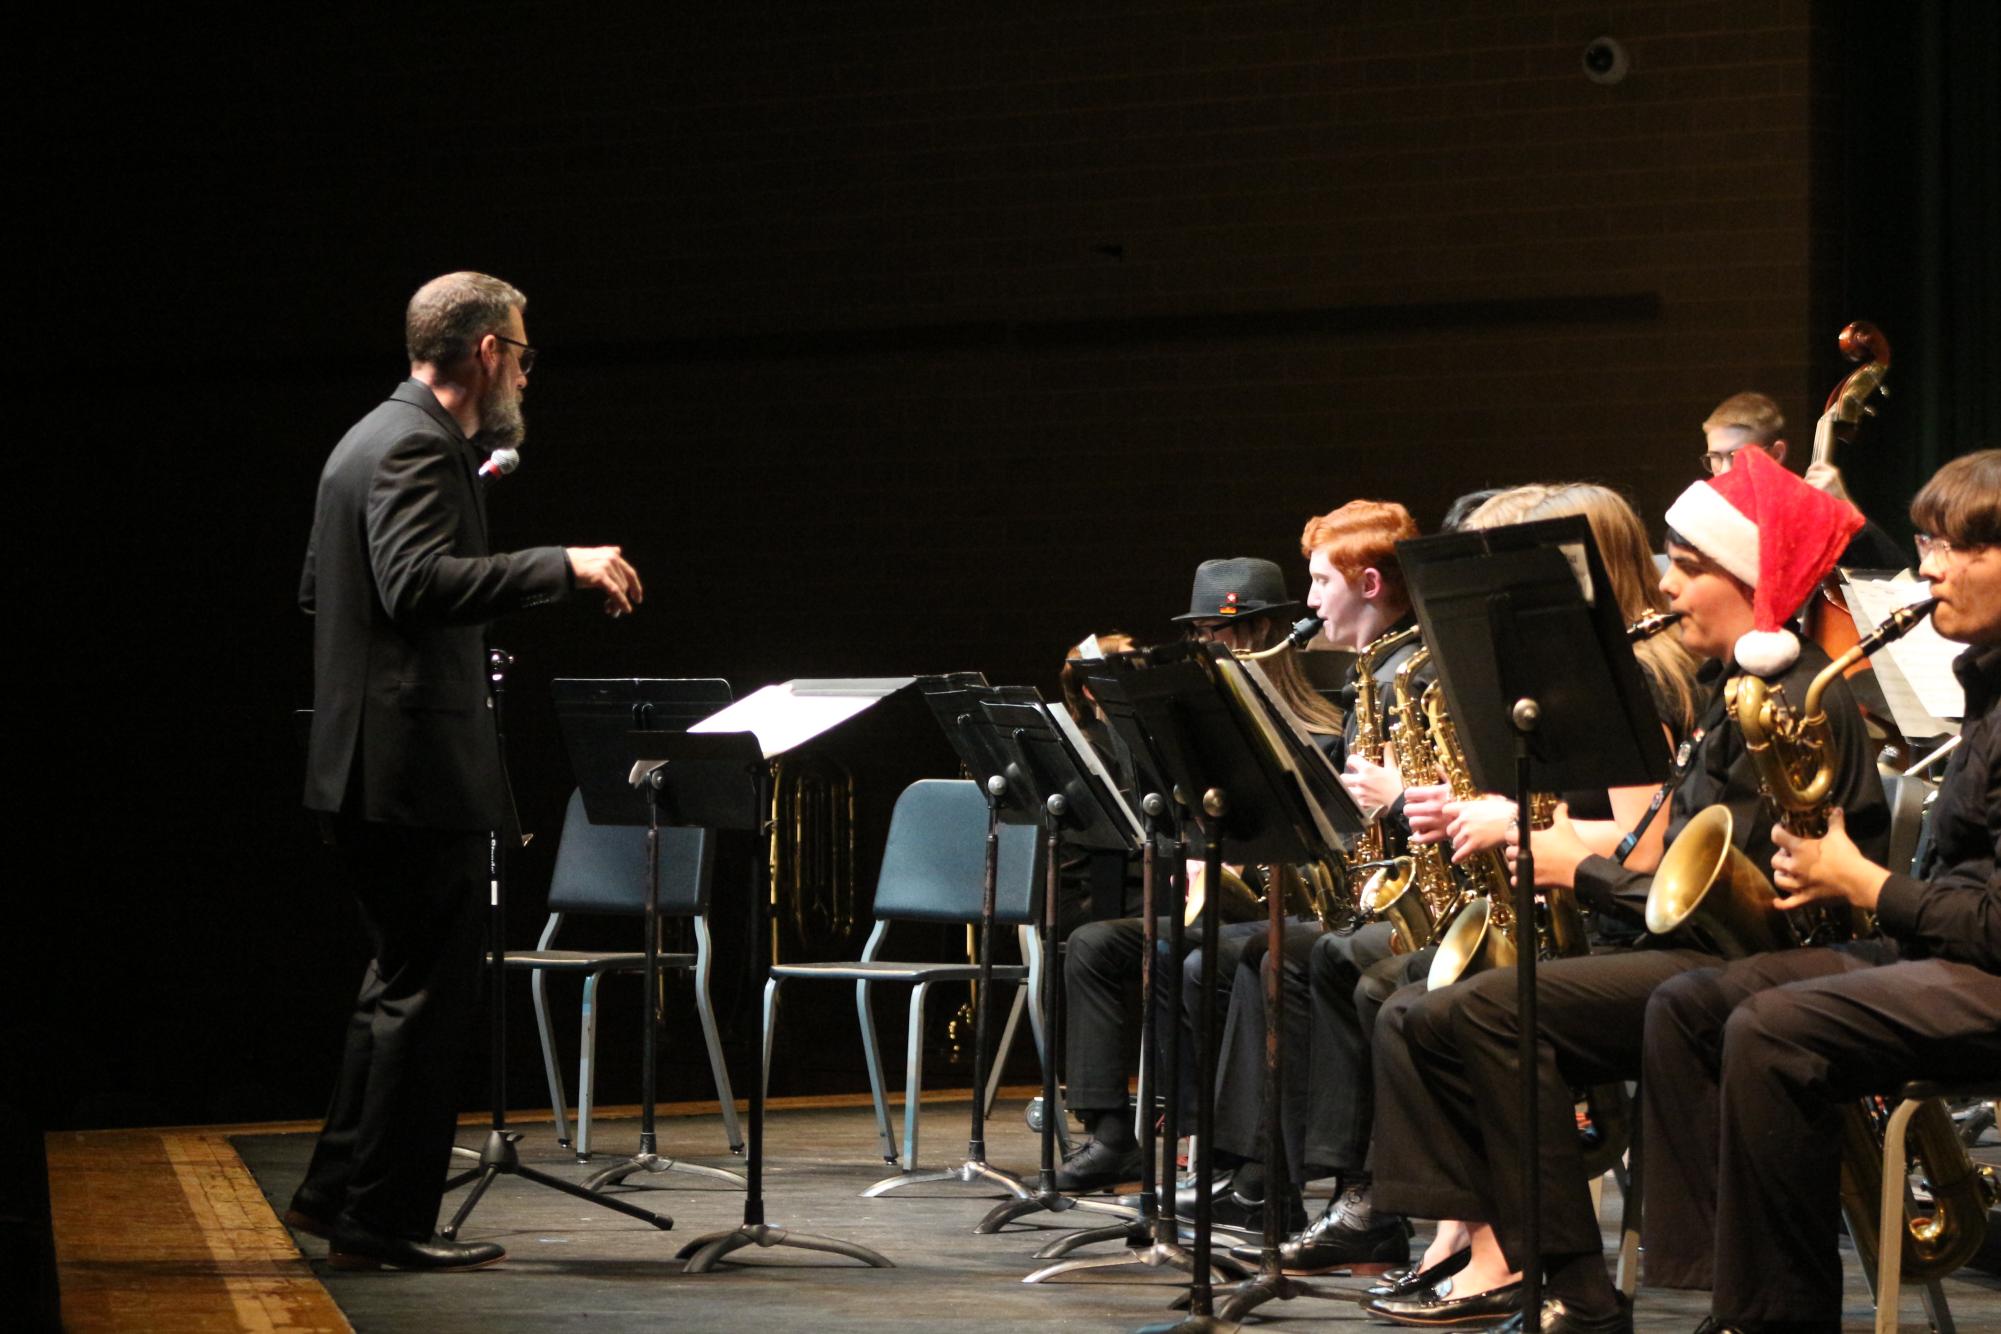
point(500, 1158)
point(646, 1160)
point(970, 1172)
point(703, 1252)
point(1153, 1255)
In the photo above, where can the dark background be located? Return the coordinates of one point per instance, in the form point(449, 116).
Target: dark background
point(886, 338)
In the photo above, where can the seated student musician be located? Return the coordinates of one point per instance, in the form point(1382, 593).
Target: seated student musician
point(1357, 1234)
point(1747, 1067)
point(1745, 548)
point(1753, 421)
point(1356, 588)
point(1241, 603)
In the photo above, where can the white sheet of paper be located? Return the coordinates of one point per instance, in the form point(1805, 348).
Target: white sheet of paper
point(1916, 671)
point(782, 717)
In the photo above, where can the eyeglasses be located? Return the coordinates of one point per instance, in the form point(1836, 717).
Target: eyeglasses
point(1945, 548)
point(1718, 461)
point(527, 357)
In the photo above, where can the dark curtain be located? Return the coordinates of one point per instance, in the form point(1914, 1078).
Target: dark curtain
point(1912, 104)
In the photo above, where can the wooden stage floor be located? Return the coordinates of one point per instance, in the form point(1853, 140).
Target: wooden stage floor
point(172, 1230)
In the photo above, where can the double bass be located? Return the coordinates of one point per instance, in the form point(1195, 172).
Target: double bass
point(1827, 618)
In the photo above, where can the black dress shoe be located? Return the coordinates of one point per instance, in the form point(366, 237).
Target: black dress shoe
point(1184, 1190)
point(1558, 1318)
point(1403, 1282)
point(313, 1225)
point(1096, 1165)
point(1325, 1248)
point(1233, 1211)
point(1437, 1307)
point(354, 1246)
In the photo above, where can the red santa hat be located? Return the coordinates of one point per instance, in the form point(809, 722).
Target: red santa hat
point(1774, 532)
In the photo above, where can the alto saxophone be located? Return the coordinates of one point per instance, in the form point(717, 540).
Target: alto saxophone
point(1415, 892)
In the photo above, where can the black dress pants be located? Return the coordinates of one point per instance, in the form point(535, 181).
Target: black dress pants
point(1348, 979)
point(383, 1153)
point(1449, 1138)
point(1747, 1068)
point(1240, 1058)
point(1101, 971)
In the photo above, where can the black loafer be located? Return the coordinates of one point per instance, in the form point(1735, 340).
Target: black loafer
point(1095, 1165)
point(1403, 1282)
point(1436, 1307)
point(1558, 1318)
point(1324, 1250)
point(354, 1246)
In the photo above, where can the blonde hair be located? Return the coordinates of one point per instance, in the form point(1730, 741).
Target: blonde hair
point(1757, 413)
point(1629, 565)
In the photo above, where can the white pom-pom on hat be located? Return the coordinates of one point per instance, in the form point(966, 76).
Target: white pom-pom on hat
point(1767, 652)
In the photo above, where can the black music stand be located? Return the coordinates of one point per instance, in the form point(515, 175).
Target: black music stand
point(1217, 744)
point(731, 789)
point(1545, 693)
point(955, 702)
point(498, 1156)
point(597, 719)
point(1154, 1239)
point(1049, 760)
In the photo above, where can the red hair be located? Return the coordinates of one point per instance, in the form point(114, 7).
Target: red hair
point(1361, 535)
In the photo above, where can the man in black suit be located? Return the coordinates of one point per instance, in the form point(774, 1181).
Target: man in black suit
point(404, 764)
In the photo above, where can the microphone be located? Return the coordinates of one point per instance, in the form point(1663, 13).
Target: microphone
point(500, 462)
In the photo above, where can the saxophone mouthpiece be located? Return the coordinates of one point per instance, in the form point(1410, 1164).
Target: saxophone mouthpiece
point(1649, 626)
point(1303, 631)
point(1897, 624)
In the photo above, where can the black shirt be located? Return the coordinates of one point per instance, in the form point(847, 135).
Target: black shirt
point(1721, 773)
point(1956, 914)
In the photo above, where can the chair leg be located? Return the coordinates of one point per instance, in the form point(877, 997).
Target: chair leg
point(718, 1069)
point(770, 1025)
point(538, 989)
point(1039, 1022)
point(1890, 1216)
point(587, 1066)
point(1628, 1276)
point(998, 1057)
point(872, 1058)
point(913, 1084)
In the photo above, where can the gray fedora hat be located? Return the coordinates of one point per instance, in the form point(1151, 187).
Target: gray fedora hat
point(1242, 586)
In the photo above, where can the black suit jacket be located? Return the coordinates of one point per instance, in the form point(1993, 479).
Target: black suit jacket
point(399, 582)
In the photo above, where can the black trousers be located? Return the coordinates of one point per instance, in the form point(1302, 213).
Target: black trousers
point(383, 1153)
point(1348, 979)
point(1240, 1059)
point(1101, 971)
point(1747, 1068)
point(1449, 1137)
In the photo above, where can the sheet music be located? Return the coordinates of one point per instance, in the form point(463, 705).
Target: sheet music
point(1113, 800)
point(1916, 671)
point(792, 713)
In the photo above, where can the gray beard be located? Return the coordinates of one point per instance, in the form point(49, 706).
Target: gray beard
point(501, 425)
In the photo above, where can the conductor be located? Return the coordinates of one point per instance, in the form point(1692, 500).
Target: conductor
point(404, 765)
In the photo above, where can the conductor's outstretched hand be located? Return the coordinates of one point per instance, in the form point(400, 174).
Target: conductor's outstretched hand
point(605, 568)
